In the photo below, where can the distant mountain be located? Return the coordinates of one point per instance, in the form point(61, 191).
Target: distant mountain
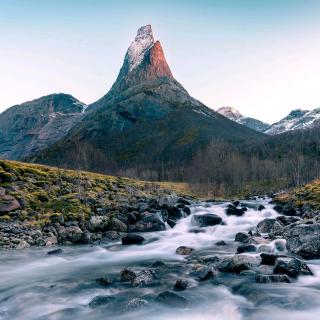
point(34, 125)
point(295, 120)
point(146, 119)
point(235, 115)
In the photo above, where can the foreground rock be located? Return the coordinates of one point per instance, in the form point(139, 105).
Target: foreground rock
point(271, 278)
point(304, 240)
point(184, 251)
point(237, 263)
point(292, 267)
point(132, 239)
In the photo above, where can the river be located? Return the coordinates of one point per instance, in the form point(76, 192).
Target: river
point(35, 285)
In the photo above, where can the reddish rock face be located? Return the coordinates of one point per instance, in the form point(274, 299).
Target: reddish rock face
point(157, 63)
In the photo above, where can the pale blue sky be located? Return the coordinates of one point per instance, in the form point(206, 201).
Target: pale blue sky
point(260, 56)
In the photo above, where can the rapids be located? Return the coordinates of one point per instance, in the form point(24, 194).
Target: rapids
point(34, 285)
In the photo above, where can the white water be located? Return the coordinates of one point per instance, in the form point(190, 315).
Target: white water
point(34, 285)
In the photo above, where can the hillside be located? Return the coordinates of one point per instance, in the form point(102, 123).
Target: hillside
point(33, 198)
point(35, 125)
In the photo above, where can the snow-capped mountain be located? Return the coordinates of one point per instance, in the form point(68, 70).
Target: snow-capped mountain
point(233, 114)
point(295, 120)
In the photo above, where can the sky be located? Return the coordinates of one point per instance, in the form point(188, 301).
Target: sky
point(259, 56)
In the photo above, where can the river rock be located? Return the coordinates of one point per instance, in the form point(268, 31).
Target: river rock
point(268, 259)
point(206, 220)
point(205, 273)
point(132, 239)
point(181, 285)
point(100, 301)
point(127, 275)
point(270, 226)
point(149, 222)
point(236, 263)
point(270, 278)
point(184, 251)
point(74, 234)
point(291, 267)
point(172, 299)
point(246, 248)
point(55, 251)
point(135, 304)
point(144, 277)
point(304, 240)
point(242, 237)
point(233, 211)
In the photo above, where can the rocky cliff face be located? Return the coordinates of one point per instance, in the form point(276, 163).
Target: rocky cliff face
point(37, 124)
point(295, 120)
point(233, 114)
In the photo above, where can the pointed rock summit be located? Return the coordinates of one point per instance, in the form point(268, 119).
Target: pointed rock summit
point(143, 62)
point(144, 65)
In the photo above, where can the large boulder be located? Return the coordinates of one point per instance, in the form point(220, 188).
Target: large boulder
point(304, 240)
point(292, 267)
point(149, 222)
point(205, 220)
point(270, 226)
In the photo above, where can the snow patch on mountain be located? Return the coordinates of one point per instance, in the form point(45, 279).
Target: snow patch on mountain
point(295, 120)
point(233, 114)
point(141, 44)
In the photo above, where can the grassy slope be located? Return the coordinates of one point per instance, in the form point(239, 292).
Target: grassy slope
point(308, 194)
point(47, 191)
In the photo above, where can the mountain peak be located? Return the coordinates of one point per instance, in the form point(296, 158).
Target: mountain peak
point(142, 43)
point(230, 113)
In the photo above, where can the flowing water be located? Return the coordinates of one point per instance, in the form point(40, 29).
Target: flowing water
point(34, 285)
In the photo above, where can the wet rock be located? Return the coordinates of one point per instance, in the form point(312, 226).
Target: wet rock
point(209, 259)
point(287, 220)
point(207, 220)
point(205, 273)
point(171, 223)
point(172, 299)
point(184, 251)
point(132, 239)
point(144, 277)
point(261, 207)
point(175, 213)
point(236, 263)
point(100, 301)
point(268, 258)
point(105, 281)
point(233, 211)
point(8, 204)
point(221, 243)
point(187, 210)
point(246, 248)
point(291, 267)
point(181, 285)
point(304, 240)
point(242, 237)
point(127, 275)
point(135, 304)
point(270, 226)
point(55, 251)
point(271, 278)
point(149, 222)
